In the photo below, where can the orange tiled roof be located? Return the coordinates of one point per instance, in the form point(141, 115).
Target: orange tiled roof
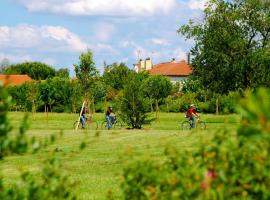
point(14, 79)
point(172, 69)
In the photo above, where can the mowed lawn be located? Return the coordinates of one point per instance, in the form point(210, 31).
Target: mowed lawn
point(98, 168)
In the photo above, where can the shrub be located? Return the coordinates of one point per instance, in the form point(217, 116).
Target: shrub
point(226, 166)
point(50, 184)
point(133, 106)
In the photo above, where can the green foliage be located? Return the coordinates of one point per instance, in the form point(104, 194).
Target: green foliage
point(192, 85)
point(205, 102)
point(156, 87)
point(133, 105)
point(50, 185)
point(36, 70)
point(86, 72)
point(115, 75)
point(231, 49)
point(225, 166)
point(56, 94)
point(62, 73)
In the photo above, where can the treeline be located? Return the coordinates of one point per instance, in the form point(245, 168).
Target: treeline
point(52, 90)
point(64, 94)
point(35, 70)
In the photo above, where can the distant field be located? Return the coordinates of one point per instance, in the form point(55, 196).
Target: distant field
point(97, 168)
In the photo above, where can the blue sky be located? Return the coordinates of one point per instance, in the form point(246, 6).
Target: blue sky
point(57, 31)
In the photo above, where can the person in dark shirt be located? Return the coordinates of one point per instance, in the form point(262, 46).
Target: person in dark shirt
point(191, 114)
point(109, 117)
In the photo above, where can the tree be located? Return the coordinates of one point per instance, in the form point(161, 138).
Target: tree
point(157, 87)
point(133, 105)
point(232, 45)
point(32, 95)
point(36, 70)
point(86, 74)
point(115, 75)
point(63, 73)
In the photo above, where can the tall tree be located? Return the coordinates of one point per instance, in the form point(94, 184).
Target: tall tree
point(232, 45)
point(86, 74)
point(115, 75)
point(133, 105)
point(157, 87)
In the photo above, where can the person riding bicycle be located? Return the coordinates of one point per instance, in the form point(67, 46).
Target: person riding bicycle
point(110, 119)
point(83, 117)
point(191, 114)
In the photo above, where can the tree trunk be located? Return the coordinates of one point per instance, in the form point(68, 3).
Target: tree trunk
point(151, 104)
point(156, 108)
point(33, 109)
point(217, 106)
point(93, 105)
point(46, 111)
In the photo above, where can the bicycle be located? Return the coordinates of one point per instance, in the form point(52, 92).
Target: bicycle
point(115, 123)
point(187, 125)
point(88, 123)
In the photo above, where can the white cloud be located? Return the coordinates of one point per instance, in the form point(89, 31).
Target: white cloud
point(104, 31)
point(44, 38)
point(49, 61)
point(197, 4)
point(101, 7)
point(165, 55)
point(159, 41)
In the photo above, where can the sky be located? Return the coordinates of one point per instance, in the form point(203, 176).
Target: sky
point(57, 31)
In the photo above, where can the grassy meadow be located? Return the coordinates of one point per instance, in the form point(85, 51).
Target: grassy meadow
point(97, 169)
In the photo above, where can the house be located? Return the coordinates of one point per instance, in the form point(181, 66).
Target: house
point(14, 79)
point(176, 71)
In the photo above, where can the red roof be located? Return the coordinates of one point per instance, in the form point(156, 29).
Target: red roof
point(172, 69)
point(14, 79)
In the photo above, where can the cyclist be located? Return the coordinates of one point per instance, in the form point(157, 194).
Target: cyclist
point(110, 119)
point(191, 114)
point(83, 117)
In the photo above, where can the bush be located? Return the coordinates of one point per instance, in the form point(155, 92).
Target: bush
point(49, 183)
point(133, 105)
point(226, 166)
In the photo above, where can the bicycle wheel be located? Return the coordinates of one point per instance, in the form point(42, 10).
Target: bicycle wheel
point(95, 125)
point(104, 125)
point(201, 125)
point(76, 123)
point(118, 124)
point(185, 125)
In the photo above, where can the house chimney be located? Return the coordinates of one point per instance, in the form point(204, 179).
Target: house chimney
point(173, 60)
point(148, 64)
point(188, 58)
point(142, 65)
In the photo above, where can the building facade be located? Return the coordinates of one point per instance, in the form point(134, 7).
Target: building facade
point(176, 71)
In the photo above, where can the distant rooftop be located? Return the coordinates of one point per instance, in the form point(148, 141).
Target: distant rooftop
point(172, 69)
point(14, 79)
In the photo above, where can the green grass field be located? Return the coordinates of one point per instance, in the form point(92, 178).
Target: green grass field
point(97, 169)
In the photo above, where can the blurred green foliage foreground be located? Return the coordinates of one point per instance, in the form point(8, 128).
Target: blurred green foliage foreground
point(225, 166)
point(50, 184)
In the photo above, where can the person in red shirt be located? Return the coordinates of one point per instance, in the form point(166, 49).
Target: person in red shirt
point(192, 114)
